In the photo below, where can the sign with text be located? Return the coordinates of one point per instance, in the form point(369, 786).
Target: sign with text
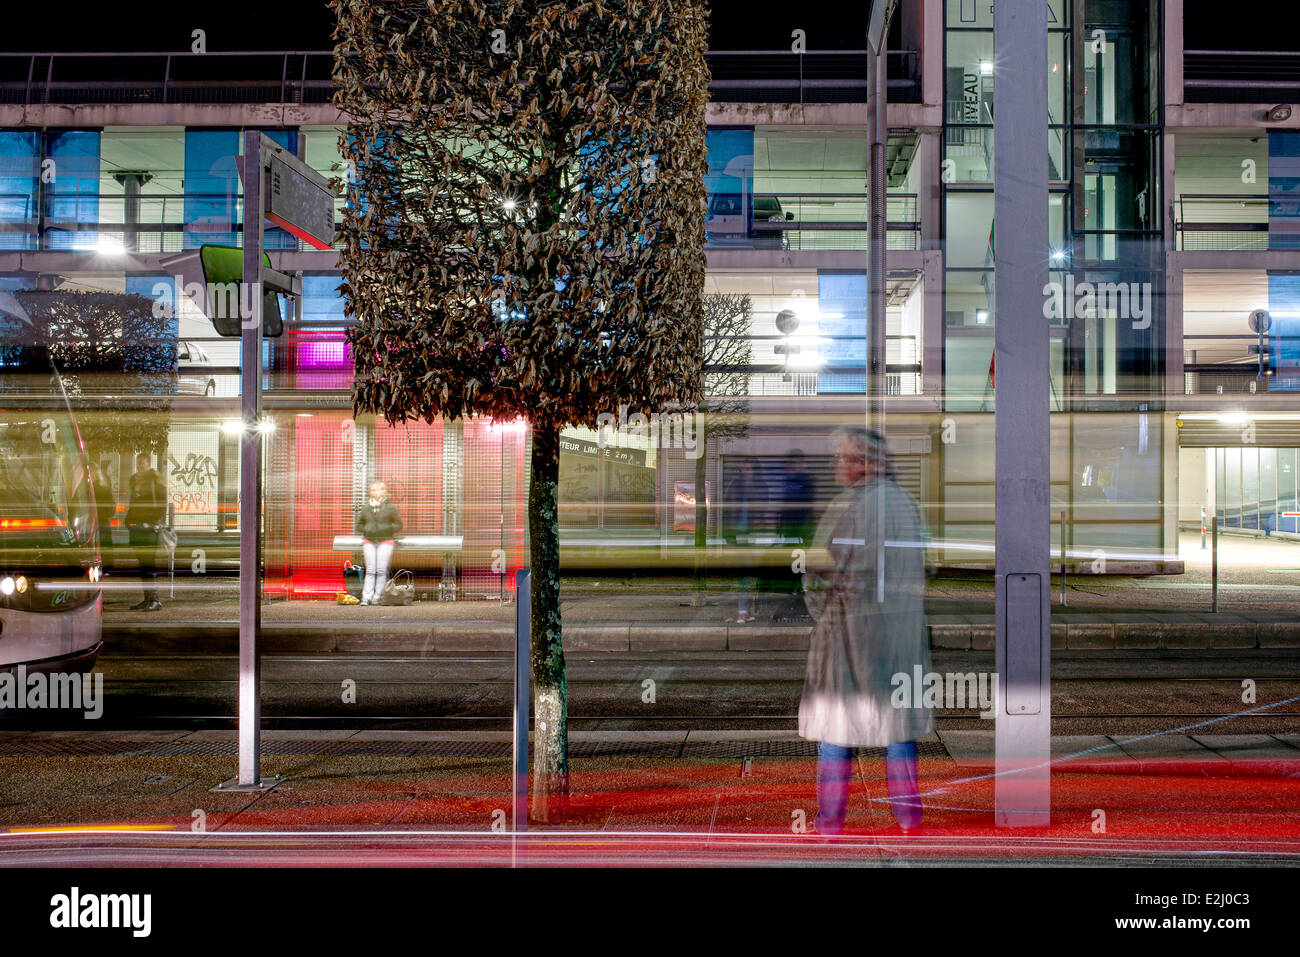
point(299, 201)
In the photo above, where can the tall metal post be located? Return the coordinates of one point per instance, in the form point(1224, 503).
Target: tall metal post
point(1023, 500)
point(877, 137)
point(1214, 561)
point(250, 475)
point(523, 699)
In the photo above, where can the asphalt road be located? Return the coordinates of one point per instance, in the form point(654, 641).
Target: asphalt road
point(1098, 694)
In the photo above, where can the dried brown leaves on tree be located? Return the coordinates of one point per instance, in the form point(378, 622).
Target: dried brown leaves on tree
point(525, 230)
point(108, 343)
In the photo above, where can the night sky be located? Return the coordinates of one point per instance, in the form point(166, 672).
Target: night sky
point(276, 25)
point(736, 25)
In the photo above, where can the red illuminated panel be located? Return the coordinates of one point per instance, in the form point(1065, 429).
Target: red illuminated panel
point(26, 524)
point(320, 506)
point(494, 507)
point(408, 459)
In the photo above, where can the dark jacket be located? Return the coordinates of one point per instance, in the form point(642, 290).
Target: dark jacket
point(148, 502)
point(105, 504)
point(378, 523)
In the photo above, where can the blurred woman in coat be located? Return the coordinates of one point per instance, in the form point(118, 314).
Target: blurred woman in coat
point(864, 637)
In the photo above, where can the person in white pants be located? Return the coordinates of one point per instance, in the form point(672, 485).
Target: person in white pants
point(378, 524)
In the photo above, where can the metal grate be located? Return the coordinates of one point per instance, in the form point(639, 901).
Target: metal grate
point(796, 748)
point(39, 748)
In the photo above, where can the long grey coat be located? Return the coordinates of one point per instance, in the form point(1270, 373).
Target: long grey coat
point(859, 645)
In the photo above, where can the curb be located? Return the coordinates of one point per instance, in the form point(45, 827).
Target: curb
point(141, 637)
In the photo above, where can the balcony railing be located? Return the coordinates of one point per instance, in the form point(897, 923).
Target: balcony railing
point(1222, 222)
point(1222, 365)
point(305, 77)
point(314, 357)
point(161, 225)
point(809, 221)
point(97, 222)
point(1241, 76)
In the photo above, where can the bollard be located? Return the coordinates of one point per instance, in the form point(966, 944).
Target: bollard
point(523, 696)
point(1063, 558)
point(1214, 563)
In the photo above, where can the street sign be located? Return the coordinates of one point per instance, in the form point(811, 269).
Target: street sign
point(223, 276)
point(299, 200)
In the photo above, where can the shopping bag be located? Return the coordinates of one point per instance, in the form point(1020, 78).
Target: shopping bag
point(354, 579)
point(398, 590)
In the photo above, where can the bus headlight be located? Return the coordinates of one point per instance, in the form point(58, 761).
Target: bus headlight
point(14, 584)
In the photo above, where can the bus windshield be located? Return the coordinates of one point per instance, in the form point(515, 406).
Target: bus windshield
point(46, 502)
point(40, 497)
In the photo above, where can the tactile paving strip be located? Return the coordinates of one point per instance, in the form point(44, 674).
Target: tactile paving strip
point(92, 747)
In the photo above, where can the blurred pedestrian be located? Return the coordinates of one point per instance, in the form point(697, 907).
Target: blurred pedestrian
point(378, 524)
point(743, 514)
point(105, 513)
point(796, 515)
point(145, 511)
point(859, 643)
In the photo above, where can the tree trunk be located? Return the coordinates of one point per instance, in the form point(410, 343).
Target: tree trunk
point(701, 520)
point(550, 688)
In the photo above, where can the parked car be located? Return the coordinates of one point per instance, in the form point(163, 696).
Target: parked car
point(194, 375)
point(746, 220)
point(768, 213)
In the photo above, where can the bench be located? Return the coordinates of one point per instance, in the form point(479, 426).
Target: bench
point(448, 545)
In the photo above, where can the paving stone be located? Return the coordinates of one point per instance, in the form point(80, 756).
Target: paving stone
point(1166, 746)
point(969, 747)
point(950, 637)
point(1278, 634)
point(1066, 745)
point(1249, 747)
point(596, 638)
point(1096, 636)
point(660, 638)
point(762, 638)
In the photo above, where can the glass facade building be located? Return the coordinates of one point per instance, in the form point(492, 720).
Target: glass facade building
point(1147, 316)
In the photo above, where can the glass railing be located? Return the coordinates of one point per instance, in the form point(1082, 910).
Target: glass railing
point(169, 223)
point(1222, 222)
point(807, 221)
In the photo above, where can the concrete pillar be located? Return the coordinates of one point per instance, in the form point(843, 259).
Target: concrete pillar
point(1023, 499)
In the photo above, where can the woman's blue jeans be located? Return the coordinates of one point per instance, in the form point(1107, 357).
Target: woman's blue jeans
point(835, 771)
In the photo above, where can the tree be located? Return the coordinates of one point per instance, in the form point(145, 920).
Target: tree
point(109, 342)
point(727, 353)
point(525, 237)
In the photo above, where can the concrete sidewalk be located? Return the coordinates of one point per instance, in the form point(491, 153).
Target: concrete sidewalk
point(1198, 795)
point(648, 624)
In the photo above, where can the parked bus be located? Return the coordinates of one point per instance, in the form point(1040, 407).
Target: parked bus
point(50, 600)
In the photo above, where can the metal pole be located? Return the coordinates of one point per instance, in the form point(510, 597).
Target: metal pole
point(878, 134)
point(1203, 528)
point(1214, 562)
point(250, 475)
point(1022, 417)
point(1063, 558)
point(523, 698)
